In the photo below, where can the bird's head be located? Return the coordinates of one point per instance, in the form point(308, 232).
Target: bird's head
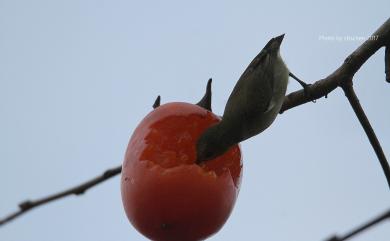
point(210, 145)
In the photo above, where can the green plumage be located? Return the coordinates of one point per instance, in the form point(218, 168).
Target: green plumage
point(253, 104)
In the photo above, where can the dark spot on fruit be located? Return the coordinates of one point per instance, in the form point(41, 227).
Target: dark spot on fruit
point(165, 226)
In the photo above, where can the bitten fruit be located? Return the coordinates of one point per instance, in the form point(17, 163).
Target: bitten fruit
point(166, 195)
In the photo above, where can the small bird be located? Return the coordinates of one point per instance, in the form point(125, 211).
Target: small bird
point(253, 104)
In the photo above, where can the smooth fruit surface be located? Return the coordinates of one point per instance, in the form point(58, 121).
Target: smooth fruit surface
point(166, 196)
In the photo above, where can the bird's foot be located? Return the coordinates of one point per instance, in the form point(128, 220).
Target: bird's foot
point(306, 87)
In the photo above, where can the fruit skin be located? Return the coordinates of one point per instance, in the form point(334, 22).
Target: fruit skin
point(165, 195)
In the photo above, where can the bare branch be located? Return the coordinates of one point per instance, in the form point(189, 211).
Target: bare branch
point(77, 190)
point(377, 220)
point(342, 77)
point(345, 72)
point(358, 109)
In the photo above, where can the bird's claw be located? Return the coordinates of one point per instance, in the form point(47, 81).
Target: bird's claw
point(305, 86)
point(306, 91)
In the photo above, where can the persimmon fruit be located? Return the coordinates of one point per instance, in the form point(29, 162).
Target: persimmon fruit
point(166, 195)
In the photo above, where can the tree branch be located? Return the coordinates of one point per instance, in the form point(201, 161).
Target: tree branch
point(344, 73)
point(358, 109)
point(342, 77)
point(377, 220)
point(77, 190)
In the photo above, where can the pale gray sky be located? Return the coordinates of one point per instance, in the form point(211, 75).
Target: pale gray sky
point(76, 77)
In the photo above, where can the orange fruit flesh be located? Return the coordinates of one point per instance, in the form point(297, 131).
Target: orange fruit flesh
point(172, 131)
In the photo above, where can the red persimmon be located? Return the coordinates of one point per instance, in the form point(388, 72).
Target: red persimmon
point(166, 196)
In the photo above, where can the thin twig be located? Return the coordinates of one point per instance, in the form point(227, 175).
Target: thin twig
point(77, 190)
point(345, 72)
point(358, 109)
point(377, 220)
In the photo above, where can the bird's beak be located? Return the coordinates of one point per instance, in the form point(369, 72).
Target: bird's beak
point(278, 40)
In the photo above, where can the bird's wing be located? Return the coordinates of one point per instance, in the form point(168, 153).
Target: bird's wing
point(253, 92)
